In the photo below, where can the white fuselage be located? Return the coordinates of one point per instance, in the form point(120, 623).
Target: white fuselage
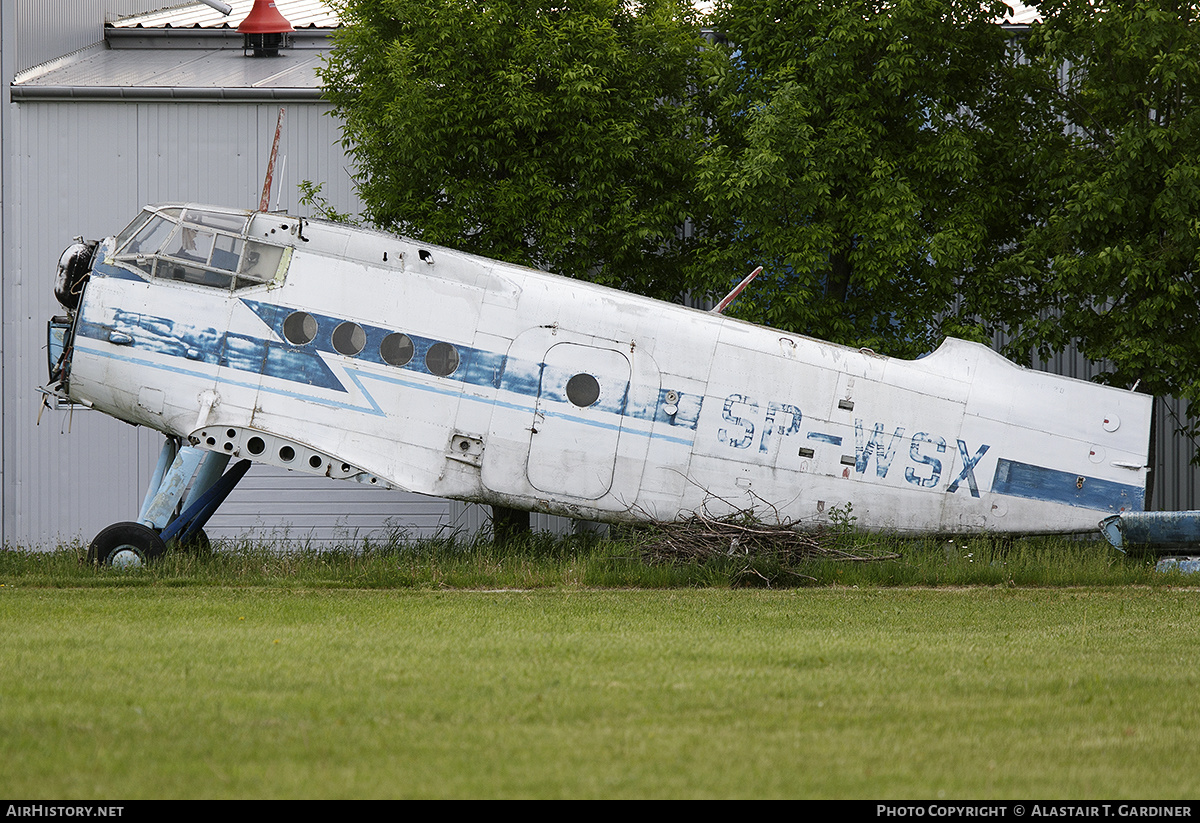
point(367, 356)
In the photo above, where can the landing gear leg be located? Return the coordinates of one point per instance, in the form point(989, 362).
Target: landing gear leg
point(138, 543)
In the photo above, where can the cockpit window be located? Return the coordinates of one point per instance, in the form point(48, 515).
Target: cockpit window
point(206, 248)
point(189, 250)
point(150, 237)
point(235, 223)
point(147, 242)
point(226, 252)
point(259, 265)
point(190, 244)
point(176, 270)
point(132, 229)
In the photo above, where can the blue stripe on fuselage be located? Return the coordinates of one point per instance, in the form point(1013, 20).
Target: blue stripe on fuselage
point(307, 364)
point(1055, 486)
point(477, 367)
point(214, 348)
point(102, 269)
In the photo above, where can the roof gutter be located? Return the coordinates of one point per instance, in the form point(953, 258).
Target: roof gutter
point(135, 37)
point(158, 94)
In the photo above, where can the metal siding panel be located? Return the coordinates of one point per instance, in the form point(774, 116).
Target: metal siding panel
point(274, 505)
point(469, 518)
point(41, 504)
point(85, 168)
point(1175, 480)
point(472, 518)
point(49, 30)
point(74, 469)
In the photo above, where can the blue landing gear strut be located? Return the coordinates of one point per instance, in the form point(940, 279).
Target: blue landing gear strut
point(167, 514)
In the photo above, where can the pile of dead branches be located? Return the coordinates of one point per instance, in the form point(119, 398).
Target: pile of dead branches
point(742, 535)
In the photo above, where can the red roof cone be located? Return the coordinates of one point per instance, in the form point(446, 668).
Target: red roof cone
point(264, 18)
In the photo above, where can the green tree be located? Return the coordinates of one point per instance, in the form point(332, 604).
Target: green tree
point(559, 135)
point(562, 136)
point(1113, 264)
point(864, 158)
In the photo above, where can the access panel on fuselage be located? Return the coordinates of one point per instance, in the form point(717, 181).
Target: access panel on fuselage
point(578, 420)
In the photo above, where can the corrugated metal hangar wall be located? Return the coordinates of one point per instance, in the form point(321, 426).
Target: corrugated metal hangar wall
point(86, 169)
point(80, 157)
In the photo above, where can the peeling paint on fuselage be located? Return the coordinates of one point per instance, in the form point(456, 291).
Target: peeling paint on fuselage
point(711, 413)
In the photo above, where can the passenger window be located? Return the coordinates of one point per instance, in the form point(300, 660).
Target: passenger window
point(396, 349)
point(583, 390)
point(441, 359)
point(299, 328)
point(349, 339)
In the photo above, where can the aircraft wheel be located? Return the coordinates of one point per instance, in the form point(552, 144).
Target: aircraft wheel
point(126, 545)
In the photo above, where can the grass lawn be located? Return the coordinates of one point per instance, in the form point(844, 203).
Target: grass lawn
point(220, 691)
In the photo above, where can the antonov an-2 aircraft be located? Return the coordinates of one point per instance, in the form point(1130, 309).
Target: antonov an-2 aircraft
point(363, 356)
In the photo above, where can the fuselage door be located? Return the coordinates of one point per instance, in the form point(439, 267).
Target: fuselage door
point(577, 421)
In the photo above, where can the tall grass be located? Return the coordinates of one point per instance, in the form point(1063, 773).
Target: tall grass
point(547, 561)
point(964, 668)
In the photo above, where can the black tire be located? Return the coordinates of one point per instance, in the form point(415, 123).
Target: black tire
point(126, 544)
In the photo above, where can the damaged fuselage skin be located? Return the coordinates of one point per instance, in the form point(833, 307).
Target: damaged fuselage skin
point(360, 355)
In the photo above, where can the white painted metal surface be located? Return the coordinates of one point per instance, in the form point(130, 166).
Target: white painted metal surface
point(358, 355)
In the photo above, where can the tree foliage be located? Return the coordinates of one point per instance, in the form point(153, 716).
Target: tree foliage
point(896, 171)
point(1113, 265)
point(562, 136)
point(863, 158)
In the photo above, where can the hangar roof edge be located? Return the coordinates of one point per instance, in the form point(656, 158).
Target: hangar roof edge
point(302, 14)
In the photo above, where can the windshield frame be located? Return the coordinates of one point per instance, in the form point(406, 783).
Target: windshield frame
point(199, 245)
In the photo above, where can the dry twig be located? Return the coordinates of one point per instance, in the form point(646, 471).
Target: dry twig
point(741, 534)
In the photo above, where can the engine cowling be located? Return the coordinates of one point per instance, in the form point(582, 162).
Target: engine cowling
point(74, 265)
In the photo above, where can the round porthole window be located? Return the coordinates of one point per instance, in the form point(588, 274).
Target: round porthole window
point(299, 328)
point(349, 339)
point(441, 359)
point(396, 349)
point(583, 390)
